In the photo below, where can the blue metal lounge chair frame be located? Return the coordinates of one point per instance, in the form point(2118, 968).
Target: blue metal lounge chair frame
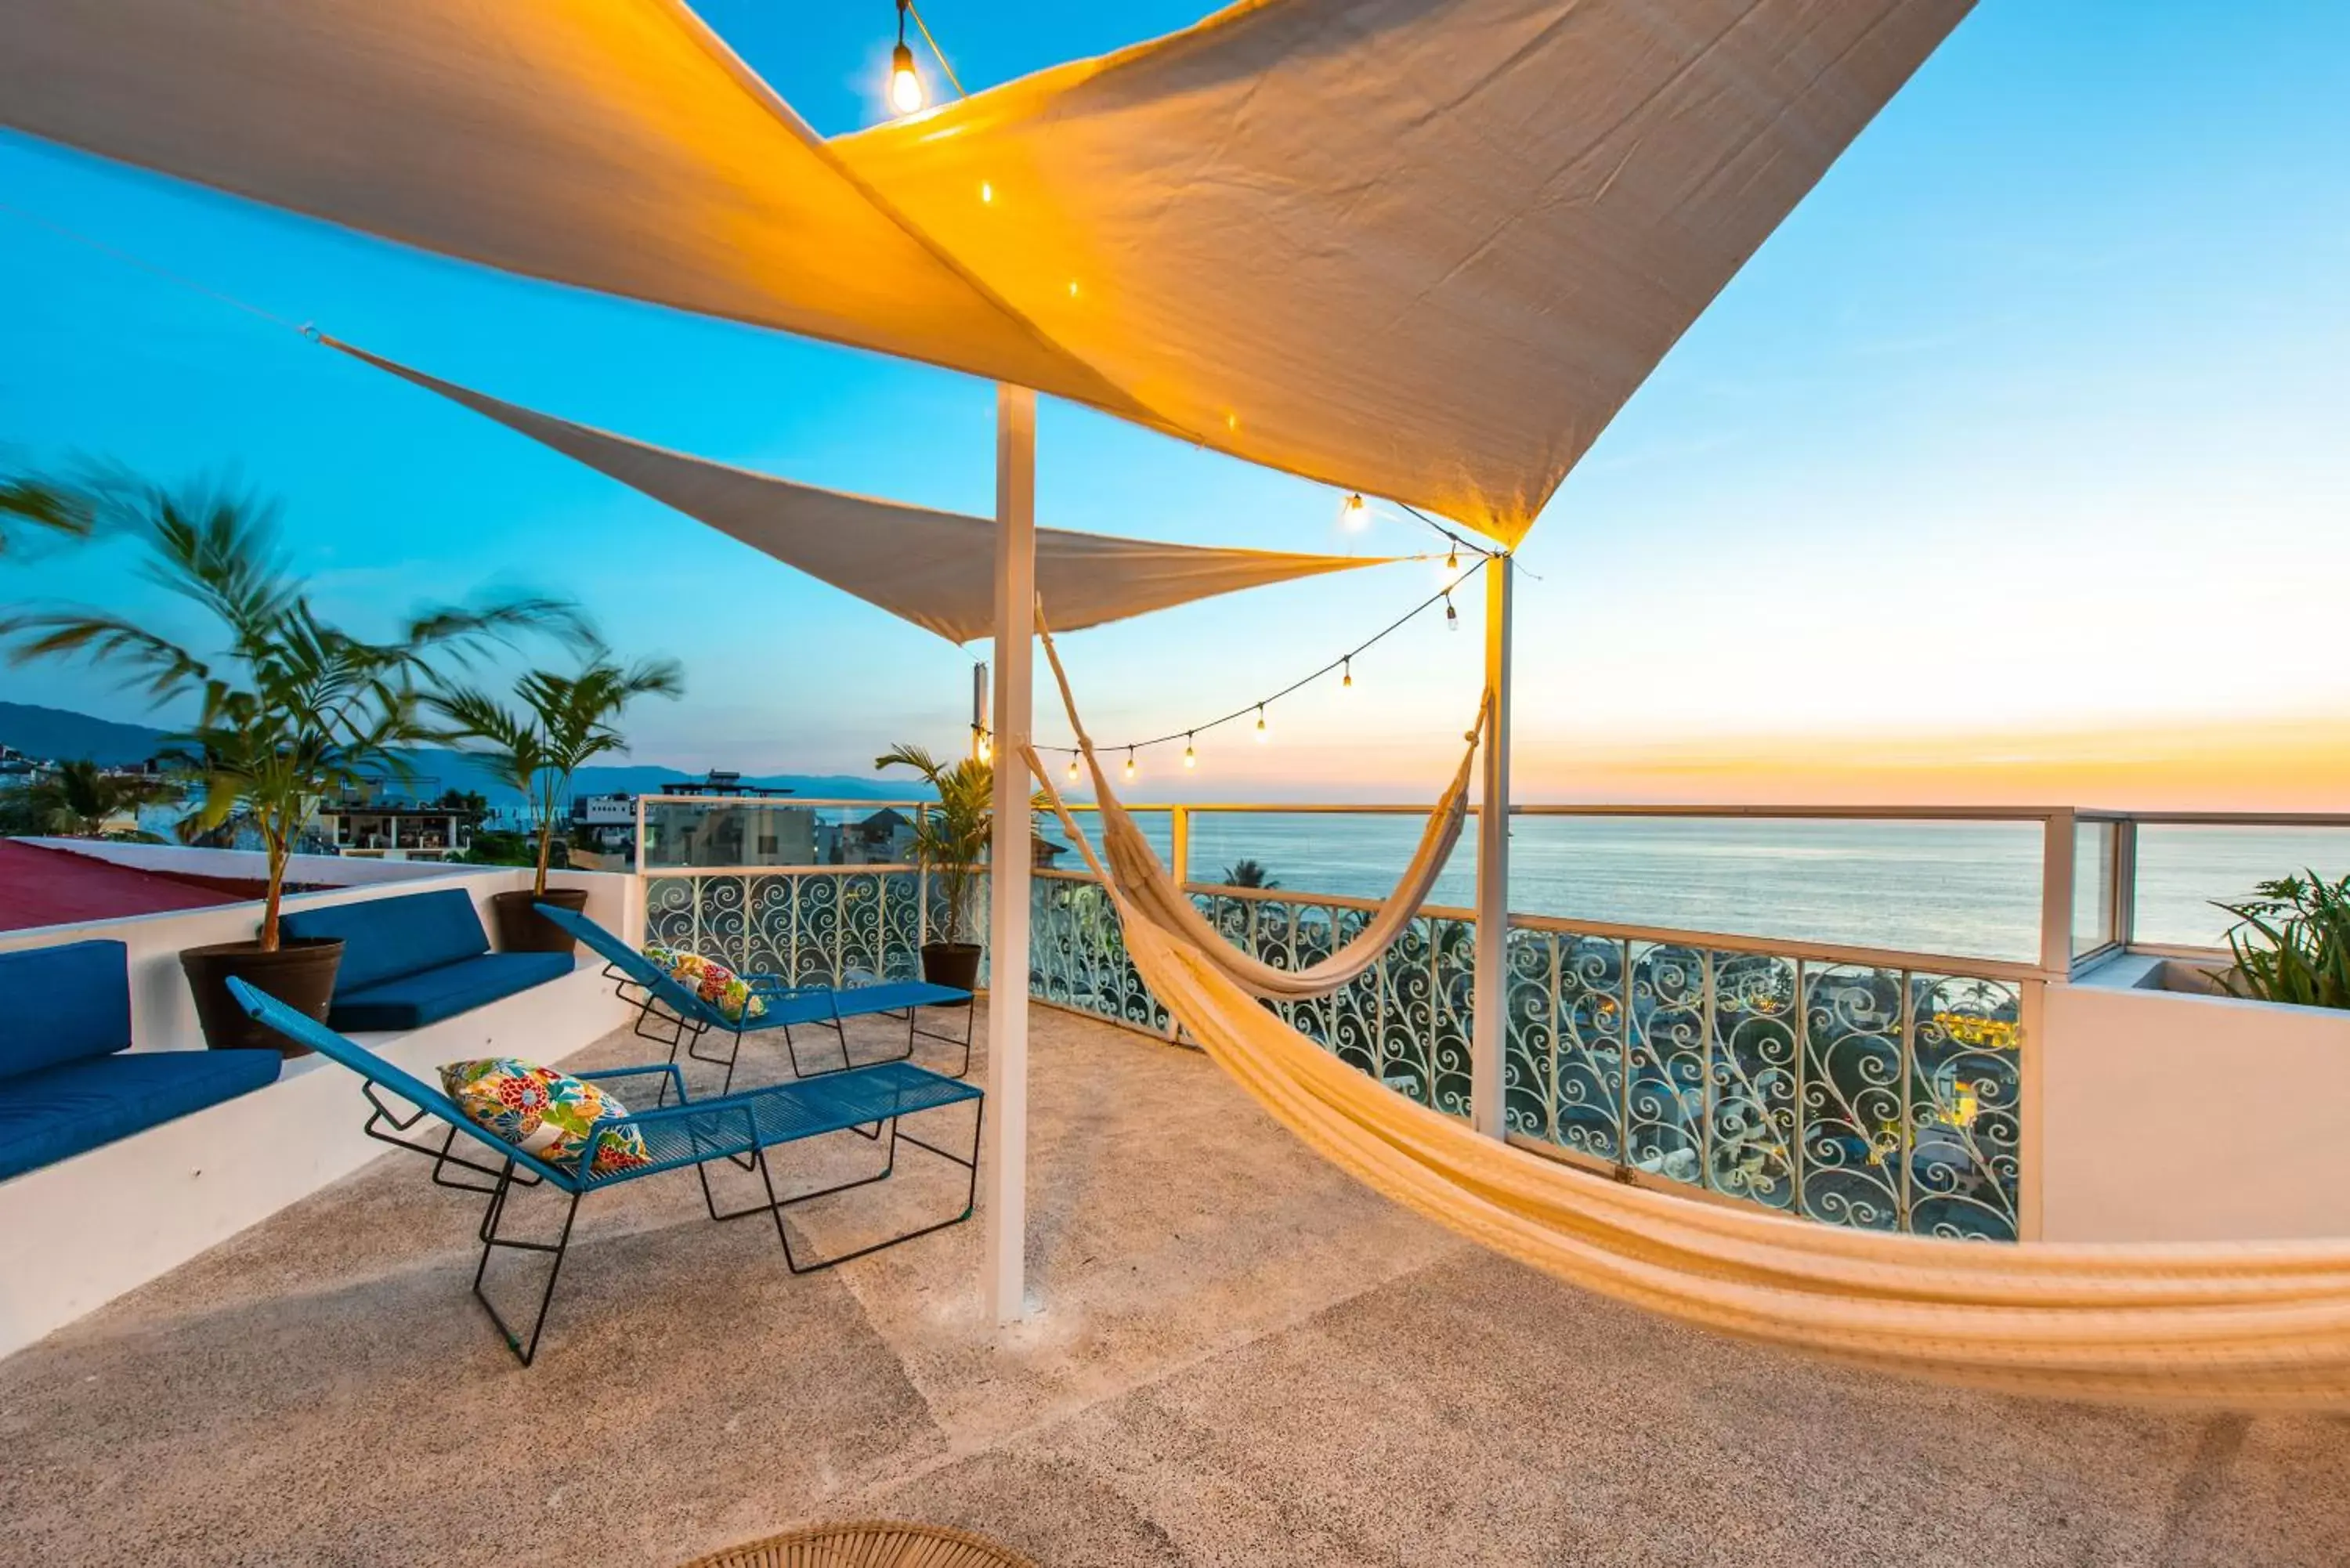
point(737, 1128)
point(669, 1015)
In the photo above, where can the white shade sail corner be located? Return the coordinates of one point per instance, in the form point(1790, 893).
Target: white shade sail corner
point(933, 568)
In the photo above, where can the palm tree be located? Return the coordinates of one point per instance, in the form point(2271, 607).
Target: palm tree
point(951, 838)
point(566, 722)
point(77, 801)
point(289, 708)
point(1249, 874)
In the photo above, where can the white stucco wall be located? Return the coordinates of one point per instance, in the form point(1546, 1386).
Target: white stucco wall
point(2174, 1118)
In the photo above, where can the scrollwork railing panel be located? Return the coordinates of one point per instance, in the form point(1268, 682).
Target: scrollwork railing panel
point(1843, 1093)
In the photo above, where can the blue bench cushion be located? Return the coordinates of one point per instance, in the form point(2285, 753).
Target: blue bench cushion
point(60, 1111)
point(65, 1004)
point(384, 938)
point(412, 1001)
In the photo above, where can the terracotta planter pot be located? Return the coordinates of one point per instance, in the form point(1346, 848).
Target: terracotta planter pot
point(523, 929)
point(300, 973)
point(953, 964)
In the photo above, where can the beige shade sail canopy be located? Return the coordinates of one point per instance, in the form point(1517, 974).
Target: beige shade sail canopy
point(933, 568)
point(1424, 249)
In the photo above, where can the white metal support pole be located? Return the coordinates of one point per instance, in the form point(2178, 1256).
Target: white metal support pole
point(1006, 1154)
point(1490, 1007)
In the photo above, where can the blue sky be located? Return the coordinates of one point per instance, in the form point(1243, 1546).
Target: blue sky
point(2031, 427)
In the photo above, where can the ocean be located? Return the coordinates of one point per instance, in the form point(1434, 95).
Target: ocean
point(1963, 889)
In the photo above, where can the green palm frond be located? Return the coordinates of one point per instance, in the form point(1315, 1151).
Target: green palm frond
point(289, 708)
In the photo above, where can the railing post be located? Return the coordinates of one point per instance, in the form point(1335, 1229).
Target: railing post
point(2056, 861)
point(1181, 850)
point(1011, 858)
point(2123, 894)
point(1489, 1008)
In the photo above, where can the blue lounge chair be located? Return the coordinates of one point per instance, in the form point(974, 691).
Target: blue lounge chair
point(669, 1015)
point(739, 1128)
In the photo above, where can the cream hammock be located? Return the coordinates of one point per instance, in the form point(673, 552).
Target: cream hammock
point(2249, 1325)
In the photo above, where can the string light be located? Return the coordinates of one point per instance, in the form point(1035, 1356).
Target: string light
point(1452, 561)
point(906, 94)
point(1344, 664)
point(986, 191)
point(1354, 514)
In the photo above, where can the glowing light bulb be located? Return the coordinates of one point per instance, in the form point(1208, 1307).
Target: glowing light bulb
point(905, 82)
point(1073, 767)
point(1260, 723)
point(1452, 561)
point(1129, 765)
point(986, 191)
point(1191, 757)
point(1073, 289)
point(1346, 671)
point(1354, 516)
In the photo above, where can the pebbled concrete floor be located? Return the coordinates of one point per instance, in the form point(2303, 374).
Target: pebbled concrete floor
point(1241, 1359)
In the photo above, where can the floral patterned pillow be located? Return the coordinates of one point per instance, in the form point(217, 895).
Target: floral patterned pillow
point(543, 1112)
point(713, 982)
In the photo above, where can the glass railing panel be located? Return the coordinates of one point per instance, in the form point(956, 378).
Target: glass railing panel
point(720, 832)
point(1969, 888)
point(2093, 884)
point(1353, 854)
point(2185, 869)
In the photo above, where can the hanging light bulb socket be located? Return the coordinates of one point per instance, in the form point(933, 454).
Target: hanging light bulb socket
point(1452, 615)
point(1191, 757)
point(906, 95)
point(1260, 723)
point(1346, 671)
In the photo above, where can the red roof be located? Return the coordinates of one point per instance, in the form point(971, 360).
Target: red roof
point(43, 886)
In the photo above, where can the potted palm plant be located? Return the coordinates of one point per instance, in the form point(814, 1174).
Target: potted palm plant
point(951, 841)
point(289, 710)
point(565, 721)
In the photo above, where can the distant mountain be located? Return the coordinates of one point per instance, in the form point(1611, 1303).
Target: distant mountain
point(57, 735)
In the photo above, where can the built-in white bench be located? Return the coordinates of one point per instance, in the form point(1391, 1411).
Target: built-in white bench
point(78, 1233)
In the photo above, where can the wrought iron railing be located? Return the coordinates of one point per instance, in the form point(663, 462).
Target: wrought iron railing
point(1857, 1086)
point(817, 924)
point(1874, 1095)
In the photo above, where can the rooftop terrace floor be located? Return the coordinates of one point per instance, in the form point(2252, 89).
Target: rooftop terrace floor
point(1242, 1358)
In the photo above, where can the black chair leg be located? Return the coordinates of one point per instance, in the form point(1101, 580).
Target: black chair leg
point(776, 1206)
point(524, 1349)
